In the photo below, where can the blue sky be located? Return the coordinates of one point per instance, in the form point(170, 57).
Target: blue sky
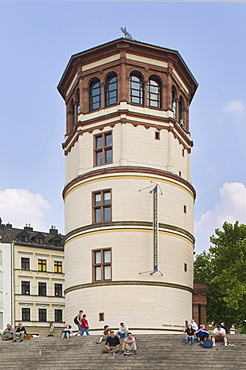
point(37, 40)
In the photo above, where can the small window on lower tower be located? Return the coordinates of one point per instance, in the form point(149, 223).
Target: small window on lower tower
point(157, 135)
point(185, 267)
point(101, 316)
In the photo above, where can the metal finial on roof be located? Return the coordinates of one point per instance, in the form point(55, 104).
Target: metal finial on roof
point(127, 34)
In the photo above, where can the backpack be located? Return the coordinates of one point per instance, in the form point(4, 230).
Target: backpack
point(75, 320)
point(208, 344)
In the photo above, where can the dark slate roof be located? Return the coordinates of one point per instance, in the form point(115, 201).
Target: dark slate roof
point(51, 240)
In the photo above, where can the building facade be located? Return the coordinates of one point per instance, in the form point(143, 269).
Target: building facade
point(127, 140)
point(33, 279)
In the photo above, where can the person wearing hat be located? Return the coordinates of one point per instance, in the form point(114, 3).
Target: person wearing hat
point(219, 334)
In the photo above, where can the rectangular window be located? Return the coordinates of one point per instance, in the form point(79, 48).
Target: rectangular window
point(185, 267)
point(25, 263)
point(157, 135)
point(185, 209)
point(103, 149)
point(58, 315)
point(102, 206)
point(25, 287)
point(42, 314)
point(58, 267)
point(101, 265)
point(42, 289)
point(58, 290)
point(101, 316)
point(26, 314)
point(42, 265)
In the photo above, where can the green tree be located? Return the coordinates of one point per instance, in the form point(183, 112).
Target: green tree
point(223, 269)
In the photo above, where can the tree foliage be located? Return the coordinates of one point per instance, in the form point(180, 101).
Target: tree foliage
point(223, 269)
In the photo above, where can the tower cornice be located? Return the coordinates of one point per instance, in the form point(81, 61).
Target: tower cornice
point(119, 170)
point(127, 116)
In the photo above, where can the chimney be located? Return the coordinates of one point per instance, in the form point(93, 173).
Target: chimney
point(28, 227)
point(53, 230)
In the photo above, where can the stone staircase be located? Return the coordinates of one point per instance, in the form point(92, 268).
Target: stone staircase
point(160, 351)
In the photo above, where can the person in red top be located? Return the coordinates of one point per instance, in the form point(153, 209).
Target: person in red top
point(84, 326)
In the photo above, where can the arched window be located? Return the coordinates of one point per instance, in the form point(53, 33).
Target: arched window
point(78, 102)
point(136, 88)
point(73, 115)
point(181, 106)
point(154, 92)
point(111, 90)
point(174, 107)
point(95, 95)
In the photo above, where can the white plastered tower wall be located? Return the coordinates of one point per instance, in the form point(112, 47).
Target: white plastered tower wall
point(149, 146)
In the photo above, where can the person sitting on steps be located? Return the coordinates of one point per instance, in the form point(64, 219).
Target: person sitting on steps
point(189, 335)
point(67, 332)
point(8, 333)
point(129, 344)
point(219, 334)
point(112, 344)
point(106, 334)
point(20, 332)
point(202, 334)
point(123, 330)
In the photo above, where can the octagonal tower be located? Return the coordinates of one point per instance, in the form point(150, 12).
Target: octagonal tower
point(127, 134)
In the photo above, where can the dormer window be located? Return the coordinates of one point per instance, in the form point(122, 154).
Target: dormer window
point(38, 239)
point(23, 237)
point(56, 242)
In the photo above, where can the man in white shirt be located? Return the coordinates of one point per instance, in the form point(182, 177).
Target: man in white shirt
point(219, 334)
point(123, 330)
point(129, 344)
point(194, 325)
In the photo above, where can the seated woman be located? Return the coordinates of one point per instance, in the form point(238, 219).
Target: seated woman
point(189, 335)
point(67, 332)
point(202, 333)
point(8, 333)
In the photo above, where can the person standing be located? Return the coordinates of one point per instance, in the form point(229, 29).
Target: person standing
point(78, 320)
point(84, 327)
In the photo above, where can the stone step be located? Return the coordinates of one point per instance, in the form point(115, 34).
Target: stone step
point(166, 352)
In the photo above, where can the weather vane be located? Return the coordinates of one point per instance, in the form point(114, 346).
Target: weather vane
point(127, 34)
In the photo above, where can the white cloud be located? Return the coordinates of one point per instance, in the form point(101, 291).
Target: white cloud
point(21, 207)
point(230, 208)
point(234, 106)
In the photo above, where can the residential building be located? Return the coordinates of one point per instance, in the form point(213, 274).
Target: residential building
point(35, 277)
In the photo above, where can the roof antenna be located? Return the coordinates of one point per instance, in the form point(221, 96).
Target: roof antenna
point(127, 34)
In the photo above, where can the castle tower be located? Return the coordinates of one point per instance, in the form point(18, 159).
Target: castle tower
point(127, 140)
